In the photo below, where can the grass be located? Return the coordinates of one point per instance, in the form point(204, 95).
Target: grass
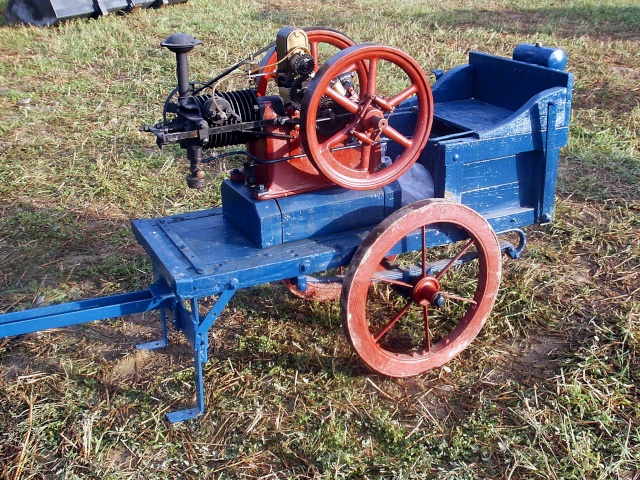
point(549, 389)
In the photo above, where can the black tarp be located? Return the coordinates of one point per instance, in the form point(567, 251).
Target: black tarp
point(52, 12)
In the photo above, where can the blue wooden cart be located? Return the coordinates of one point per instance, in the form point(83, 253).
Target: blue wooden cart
point(488, 168)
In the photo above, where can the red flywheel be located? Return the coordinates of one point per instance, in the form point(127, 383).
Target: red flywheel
point(343, 133)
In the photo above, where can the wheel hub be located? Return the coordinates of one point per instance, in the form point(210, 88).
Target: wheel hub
point(427, 292)
point(373, 119)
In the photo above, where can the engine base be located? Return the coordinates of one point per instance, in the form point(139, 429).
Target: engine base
point(275, 221)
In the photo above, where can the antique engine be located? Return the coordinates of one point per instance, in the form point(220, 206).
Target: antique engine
point(359, 120)
point(327, 124)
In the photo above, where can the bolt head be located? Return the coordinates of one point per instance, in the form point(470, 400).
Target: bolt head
point(438, 300)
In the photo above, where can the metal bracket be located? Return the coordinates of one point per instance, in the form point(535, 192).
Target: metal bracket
point(300, 283)
point(133, 6)
point(101, 8)
point(551, 152)
point(157, 344)
point(199, 329)
point(511, 250)
point(182, 246)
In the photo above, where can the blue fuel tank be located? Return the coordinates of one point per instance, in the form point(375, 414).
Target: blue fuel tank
point(537, 54)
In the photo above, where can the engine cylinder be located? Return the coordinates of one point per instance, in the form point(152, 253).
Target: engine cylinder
point(243, 108)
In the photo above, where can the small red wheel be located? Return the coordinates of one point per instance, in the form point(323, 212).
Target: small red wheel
point(324, 288)
point(317, 36)
point(425, 308)
point(317, 291)
point(349, 154)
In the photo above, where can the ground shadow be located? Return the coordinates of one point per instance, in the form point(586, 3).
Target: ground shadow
point(594, 21)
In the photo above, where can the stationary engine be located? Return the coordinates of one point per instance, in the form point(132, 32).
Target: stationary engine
point(306, 126)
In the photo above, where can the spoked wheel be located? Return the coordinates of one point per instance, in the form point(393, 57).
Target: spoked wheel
point(320, 39)
point(350, 154)
point(425, 307)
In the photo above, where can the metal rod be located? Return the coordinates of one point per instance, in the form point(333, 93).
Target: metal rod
point(84, 311)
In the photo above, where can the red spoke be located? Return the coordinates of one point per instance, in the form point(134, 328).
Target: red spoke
point(362, 137)
point(314, 55)
point(427, 335)
point(350, 69)
point(392, 322)
point(454, 260)
point(460, 299)
point(375, 160)
point(396, 136)
point(337, 138)
point(371, 77)
point(383, 103)
point(424, 251)
point(402, 96)
point(365, 156)
point(392, 280)
point(341, 100)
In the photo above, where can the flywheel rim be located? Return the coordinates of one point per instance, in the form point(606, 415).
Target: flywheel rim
point(369, 118)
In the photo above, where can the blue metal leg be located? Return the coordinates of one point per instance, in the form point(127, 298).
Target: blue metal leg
point(196, 329)
point(189, 413)
point(157, 344)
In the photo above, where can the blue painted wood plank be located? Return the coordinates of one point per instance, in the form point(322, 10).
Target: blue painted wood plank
point(500, 171)
point(500, 197)
point(508, 83)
